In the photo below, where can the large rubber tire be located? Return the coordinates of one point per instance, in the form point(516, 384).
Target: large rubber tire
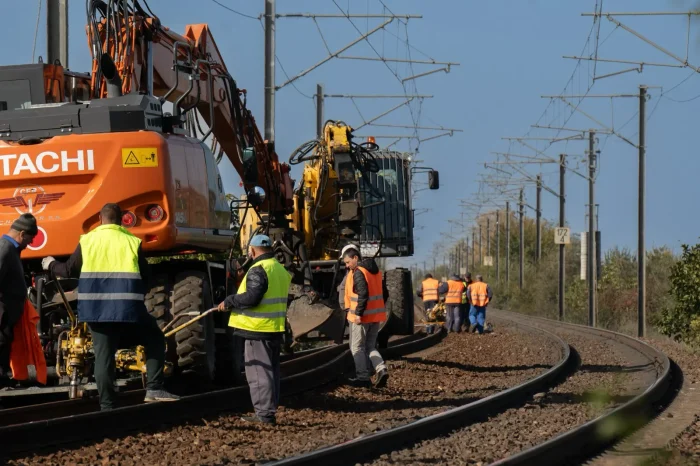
point(158, 305)
point(196, 344)
point(398, 300)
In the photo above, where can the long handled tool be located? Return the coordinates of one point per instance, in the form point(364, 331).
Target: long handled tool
point(188, 323)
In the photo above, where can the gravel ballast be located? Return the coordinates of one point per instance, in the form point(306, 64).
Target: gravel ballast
point(463, 368)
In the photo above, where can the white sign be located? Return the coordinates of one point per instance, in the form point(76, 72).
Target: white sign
point(562, 235)
point(462, 270)
point(47, 162)
point(488, 261)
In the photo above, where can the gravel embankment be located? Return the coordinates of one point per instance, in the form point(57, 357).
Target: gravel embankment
point(464, 368)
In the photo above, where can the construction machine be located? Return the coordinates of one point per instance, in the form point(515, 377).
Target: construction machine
point(71, 142)
point(351, 193)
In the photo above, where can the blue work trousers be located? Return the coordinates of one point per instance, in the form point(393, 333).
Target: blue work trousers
point(453, 317)
point(477, 315)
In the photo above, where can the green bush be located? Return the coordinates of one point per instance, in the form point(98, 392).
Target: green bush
point(680, 319)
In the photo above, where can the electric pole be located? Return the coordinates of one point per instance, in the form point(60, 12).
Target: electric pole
point(507, 242)
point(481, 246)
point(538, 219)
point(270, 71)
point(641, 252)
point(562, 224)
point(319, 110)
point(498, 247)
point(473, 249)
point(57, 32)
point(522, 240)
point(591, 229)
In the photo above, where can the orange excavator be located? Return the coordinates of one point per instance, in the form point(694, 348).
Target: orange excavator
point(147, 128)
point(71, 142)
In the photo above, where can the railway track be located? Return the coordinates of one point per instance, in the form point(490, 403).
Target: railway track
point(50, 424)
point(571, 446)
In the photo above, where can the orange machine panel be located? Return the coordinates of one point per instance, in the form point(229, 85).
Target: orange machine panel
point(65, 180)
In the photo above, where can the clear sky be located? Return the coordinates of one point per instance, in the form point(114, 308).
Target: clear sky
point(510, 54)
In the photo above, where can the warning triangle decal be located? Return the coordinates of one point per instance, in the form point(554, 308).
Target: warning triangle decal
point(131, 159)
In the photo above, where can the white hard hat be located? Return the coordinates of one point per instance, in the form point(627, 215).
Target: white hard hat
point(348, 247)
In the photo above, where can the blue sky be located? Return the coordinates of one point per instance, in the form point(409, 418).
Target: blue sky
point(510, 54)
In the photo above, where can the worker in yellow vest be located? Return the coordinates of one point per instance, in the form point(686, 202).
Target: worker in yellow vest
point(466, 305)
point(453, 303)
point(430, 290)
point(364, 298)
point(479, 294)
point(258, 315)
point(113, 277)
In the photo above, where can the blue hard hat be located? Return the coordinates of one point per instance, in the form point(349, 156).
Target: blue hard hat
point(261, 241)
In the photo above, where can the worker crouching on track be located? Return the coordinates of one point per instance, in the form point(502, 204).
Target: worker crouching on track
point(258, 315)
point(112, 277)
point(364, 297)
point(13, 289)
point(480, 295)
point(453, 304)
point(429, 291)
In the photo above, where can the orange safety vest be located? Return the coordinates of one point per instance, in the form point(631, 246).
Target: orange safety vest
point(430, 289)
point(479, 294)
point(375, 310)
point(26, 347)
point(454, 292)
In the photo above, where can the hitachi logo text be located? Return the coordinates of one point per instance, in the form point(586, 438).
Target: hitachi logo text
point(47, 162)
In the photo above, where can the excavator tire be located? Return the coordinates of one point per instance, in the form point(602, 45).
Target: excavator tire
point(196, 344)
point(398, 300)
point(158, 305)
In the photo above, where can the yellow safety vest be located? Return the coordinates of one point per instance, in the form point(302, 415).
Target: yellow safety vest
point(110, 288)
point(270, 314)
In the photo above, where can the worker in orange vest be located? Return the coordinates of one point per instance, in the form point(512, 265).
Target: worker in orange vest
point(453, 303)
point(364, 297)
point(479, 294)
point(430, 290)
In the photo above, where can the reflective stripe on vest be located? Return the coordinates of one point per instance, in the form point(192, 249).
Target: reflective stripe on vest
point(479, 293)
point(375, 310)
point(110, 286)
point(430, 289)
point(454, 292)
point(271, 313)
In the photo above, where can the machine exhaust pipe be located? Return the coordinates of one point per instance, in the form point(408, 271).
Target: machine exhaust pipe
point(111, 75)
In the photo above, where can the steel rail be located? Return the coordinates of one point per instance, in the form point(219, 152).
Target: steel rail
point(371, 446)
point(42, 426)
point(605, 430)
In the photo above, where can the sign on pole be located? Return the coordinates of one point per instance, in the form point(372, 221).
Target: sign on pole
point(488, 261)
point(562, 235)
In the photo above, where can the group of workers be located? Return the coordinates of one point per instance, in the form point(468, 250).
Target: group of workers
point(465, 300)
point(113, 277)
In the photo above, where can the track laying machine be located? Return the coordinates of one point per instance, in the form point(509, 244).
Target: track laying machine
point(71, 142)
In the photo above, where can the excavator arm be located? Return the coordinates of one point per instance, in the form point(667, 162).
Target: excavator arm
point(188, 71)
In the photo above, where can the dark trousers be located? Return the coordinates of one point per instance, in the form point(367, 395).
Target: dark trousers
point(6, 334)
point(453, 317)
point(107, 337)
point(262, 370)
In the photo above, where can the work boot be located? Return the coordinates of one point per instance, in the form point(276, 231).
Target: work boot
point(382, 377)
point(362, 383)
point(259, 420)
point(159, 395)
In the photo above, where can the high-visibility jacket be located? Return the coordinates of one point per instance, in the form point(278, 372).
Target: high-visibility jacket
point(465, 300)
point(375, 310)
point(454, 292)
point(270, 314)
point(430, 289)
point(479, 294)
point(26, 349)
point(110, 288)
